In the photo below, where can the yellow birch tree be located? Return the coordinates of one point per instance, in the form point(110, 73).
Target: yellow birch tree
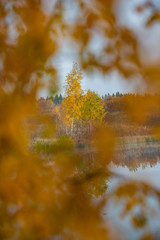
point(73, 100)
point(92, 111)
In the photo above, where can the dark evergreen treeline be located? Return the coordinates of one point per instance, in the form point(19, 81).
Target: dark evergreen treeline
point(57, 99)
point(108, 96)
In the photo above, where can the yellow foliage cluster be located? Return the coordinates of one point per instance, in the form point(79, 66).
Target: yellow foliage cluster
point(71, 105)
point(77, 106)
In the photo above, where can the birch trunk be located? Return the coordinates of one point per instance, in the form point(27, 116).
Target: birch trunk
point(72, 126)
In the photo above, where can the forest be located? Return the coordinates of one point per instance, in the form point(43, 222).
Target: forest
point(79, 112)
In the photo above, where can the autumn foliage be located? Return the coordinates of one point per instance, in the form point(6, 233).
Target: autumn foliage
point(55, 197)
point(79, 108)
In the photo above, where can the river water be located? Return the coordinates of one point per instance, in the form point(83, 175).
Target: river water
point(123, 227)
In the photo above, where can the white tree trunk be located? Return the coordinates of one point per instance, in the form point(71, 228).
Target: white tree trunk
point(72, 127)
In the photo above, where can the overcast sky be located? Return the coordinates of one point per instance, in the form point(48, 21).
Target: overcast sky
point(110, 83)
point(113, 82)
